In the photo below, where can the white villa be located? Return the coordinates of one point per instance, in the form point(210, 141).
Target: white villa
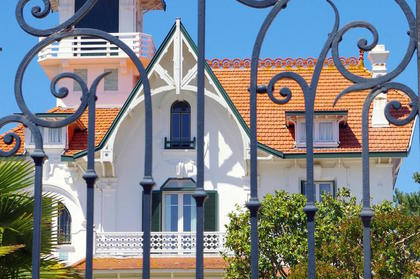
point(172, 72)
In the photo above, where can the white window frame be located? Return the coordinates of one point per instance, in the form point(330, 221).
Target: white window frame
point(300, 127)
point(45, 136)
point(180, 209)
point(317, 187)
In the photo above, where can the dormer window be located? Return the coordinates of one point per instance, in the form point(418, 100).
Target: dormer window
point(53, 137)
point(325, 128)
point(180, 127)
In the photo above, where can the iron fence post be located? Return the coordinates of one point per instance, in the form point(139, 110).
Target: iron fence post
point(418, 55)
point(38, 157)
point(90, 177)
point(199, 194)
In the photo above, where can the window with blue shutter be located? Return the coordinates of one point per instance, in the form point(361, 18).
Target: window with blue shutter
point(173, 207)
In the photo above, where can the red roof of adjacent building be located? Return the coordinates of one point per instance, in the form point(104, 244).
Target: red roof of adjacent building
point(234, 76)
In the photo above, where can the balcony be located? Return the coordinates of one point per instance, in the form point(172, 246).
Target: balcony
point(88, 47)
point(130, 244)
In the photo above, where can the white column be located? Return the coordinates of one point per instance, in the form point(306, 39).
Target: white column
point(107, 219)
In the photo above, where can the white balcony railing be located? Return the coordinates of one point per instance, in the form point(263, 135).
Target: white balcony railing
point(88, 47)
point(162, 243)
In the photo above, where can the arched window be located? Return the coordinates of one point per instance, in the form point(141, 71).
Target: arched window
point(63, 225)
point(180, 127)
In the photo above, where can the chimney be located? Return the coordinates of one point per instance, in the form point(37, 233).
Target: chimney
point(378, 57)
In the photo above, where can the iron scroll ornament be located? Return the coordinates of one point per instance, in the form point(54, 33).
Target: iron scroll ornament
point(88, 100)
point(378, 85)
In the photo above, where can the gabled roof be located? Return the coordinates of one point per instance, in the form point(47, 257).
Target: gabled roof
point(232, 78)
point(234, 75)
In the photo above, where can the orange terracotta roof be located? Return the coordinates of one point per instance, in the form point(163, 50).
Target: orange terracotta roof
point(104, 119)
point(20, 131)
point(155, 263)
point(234, 76)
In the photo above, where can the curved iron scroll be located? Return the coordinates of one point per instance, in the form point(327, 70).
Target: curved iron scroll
point(378, 85)
point(88, 100)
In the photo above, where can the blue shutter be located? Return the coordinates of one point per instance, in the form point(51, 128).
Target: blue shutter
point(211, 212)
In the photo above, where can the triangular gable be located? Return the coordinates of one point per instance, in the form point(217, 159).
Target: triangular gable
point(167, 79)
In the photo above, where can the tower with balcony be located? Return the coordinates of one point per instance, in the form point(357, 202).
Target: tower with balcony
point(88, 57)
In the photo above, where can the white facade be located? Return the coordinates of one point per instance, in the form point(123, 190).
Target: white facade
point(120, 163)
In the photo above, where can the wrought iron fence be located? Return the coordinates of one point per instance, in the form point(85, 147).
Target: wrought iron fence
point(66, 30)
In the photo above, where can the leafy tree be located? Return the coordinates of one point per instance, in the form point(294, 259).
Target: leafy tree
point(338, 237)
point(410, 202)
point(16, 225)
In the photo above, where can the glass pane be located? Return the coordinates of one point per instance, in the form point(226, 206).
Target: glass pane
point(326, 131)
point(82, 73)
point(302, 132)
point(175, 127)
point(180, 107)
point(189, 210)
point(64, 225)
point(324, 188)
point(111, 80)
point(54, 135)
point(171, 213)
point(185, 127)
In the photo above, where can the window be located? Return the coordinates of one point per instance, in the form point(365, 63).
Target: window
point(54, 135)
point(82, 73)
point(325, 134)
point(63, 225)
point(111, 80)
point(107, 10)
point(321, 188)
point(180, 127)
point(50, 136)
point(179, 212)
point(174, 208)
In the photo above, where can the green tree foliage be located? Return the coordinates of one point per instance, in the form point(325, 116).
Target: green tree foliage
point(410, 202)
point(16, 225)
point(339, 251)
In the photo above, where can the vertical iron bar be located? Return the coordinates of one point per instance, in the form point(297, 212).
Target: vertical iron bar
point(253, 203)
point(147, 185)
point(38, 157)
point(367, 213)
point(310, 208)
point(90, 177)
point(418, 55)
point(200, 195)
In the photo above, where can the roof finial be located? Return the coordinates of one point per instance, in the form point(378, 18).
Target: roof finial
point(361, 58)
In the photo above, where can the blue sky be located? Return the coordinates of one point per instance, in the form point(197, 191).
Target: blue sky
point(299, 31)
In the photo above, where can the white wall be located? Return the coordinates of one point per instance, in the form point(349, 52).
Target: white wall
point(287, 175)
point(126, 83)
point(224, 164)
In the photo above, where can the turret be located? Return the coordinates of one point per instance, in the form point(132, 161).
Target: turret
point(88, 57)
